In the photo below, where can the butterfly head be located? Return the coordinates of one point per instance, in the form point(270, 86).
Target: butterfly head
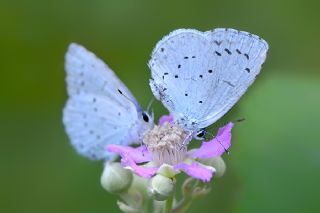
point(146, 120)
point(200, 134)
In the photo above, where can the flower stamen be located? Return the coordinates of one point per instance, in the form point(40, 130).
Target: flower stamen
point(165, 143)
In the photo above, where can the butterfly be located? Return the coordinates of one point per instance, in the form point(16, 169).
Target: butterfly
point(100, 109)
point(198, 76)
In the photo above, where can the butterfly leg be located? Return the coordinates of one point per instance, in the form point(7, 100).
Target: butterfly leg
point(186, 140)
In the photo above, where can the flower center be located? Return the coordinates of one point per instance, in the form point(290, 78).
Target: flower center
point(165, 143)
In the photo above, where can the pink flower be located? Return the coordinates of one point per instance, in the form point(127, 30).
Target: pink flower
point(164, 149)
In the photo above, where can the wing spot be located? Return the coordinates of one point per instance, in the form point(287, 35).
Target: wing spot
point(201, 76)
point(248, 70)
point(82, 83)
point(219, 54)
point(238, 51)
point(186, 94)
point(228, 51)
point(186, 57)
point(217, 42)
point(119, 113)
point(91, 132)
point(179, 66)
point(162, 49)
point(165, 73)
point(200, 102)
point(246, 55)
point(209, 71)
point(98, 137)
point(176, 76)
point(94, 100)
point(193, 57)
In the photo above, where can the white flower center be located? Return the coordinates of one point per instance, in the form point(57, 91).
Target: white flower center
point(165, 143)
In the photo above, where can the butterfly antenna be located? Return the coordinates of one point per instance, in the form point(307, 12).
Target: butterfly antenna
point(150, 104)
point(134, 103)
point(226, 150)
point(239, 120)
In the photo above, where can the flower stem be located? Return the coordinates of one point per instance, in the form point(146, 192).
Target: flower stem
point(183, 206)
point(169, 203)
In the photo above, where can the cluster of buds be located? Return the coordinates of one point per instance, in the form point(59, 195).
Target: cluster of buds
point(148, 173)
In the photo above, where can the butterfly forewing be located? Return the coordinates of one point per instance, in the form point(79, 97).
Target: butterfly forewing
point(200, 76)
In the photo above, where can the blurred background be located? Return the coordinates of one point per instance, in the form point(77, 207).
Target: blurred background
point(274, 165)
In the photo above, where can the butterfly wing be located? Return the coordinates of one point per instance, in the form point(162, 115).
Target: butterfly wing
point(96, 114)
point(200, 76)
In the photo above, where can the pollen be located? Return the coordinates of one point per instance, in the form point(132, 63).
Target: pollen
point(166, 144)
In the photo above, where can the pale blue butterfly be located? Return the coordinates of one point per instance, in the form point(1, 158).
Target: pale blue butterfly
point(198, 76)
point(100, 109)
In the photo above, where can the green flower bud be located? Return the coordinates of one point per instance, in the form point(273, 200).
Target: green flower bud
point(167, 171)
point(115, 179)
point(217, 163)
point(161, 187)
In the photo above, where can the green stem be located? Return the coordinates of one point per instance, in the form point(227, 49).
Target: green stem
point(169, 203)
point(183, 206)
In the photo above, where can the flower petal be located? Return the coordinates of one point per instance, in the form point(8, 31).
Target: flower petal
point(138, 155)
point(197, 170)
point(165, 118)
point(143, 171)
point(216, 146)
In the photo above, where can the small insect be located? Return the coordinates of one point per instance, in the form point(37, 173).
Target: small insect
point(198, 76)
point(100, 109)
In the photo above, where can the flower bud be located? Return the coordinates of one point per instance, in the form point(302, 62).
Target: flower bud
point(217, 163)
point(161, 187)
point(115, 178)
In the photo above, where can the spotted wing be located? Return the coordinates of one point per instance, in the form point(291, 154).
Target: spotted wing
point(199, 76)
point(96, 114)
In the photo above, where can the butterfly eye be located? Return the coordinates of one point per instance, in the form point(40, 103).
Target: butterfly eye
point(145, 117)
point(200, 134)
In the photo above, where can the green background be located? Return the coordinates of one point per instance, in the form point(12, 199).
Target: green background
point(274, 165)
